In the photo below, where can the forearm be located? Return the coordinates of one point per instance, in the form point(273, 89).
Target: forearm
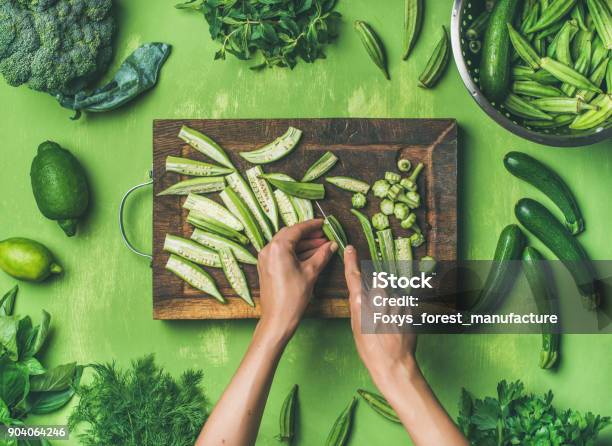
point(236, 417)
point(422, 415)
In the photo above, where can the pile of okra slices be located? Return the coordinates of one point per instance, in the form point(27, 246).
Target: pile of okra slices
point(254, 209)
point(560, 60)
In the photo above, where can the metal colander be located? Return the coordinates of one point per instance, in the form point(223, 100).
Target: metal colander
point(467, 57)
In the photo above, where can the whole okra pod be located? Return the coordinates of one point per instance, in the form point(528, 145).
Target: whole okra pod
point(373, 46)
point(413, 17)
point(287, 417)
point(341, 430)
point(437, 63)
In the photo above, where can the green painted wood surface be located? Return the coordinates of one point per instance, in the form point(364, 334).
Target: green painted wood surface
point(101, 308)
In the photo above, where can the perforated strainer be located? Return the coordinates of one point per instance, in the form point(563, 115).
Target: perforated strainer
point(467, 58)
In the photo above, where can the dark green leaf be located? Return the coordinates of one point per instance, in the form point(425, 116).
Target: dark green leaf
point(7, 302)
point(14, 383)
point(33, 366)
point(42, 331)
point(8, 336)
point(46, 402)
point(57, 378)
point(5, 413)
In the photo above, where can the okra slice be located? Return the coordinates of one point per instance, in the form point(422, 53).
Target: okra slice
point(277, 149)
point(303, 207)
point(216, 242)
point(201, 221)
point(263, 193)
point(349, 184)
point(386, 244)
point(366, 227)
point(242, 189)
point(334, 231)
point(204, 185)
point(240, 210)
point(194, 276)
point(186, 166)
point(310, 191)
point(403, 256)
point(235, 276)
point(191, 251)
point(205, 145)
point(286, 209)
point(212, 210)
point(320, 167)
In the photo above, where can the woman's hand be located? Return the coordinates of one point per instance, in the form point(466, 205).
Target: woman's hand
point(288, 269)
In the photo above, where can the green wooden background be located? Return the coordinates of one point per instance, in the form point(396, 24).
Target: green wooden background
point(101, 308)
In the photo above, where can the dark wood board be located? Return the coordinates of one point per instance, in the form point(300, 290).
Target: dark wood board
point(366, 149)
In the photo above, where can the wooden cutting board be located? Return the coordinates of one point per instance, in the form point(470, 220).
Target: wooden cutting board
point(366, 149)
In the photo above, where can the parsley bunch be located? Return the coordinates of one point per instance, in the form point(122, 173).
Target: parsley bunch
point(516, 418)
point(281, 31)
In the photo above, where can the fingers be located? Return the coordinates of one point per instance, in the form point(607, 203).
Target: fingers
point(352, 274)
point(309, 244)
point(317, 261)
point(295, 233)
point(303, 256)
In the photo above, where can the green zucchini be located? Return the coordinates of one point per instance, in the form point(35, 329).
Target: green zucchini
point(379, 405)
point(320, 167)
point(205, 145)
point(550, 183)
point(349, 184)
point(235, 276)
point(212, 210)
point(194, 276)
point(536, 277)
point(242, 189)
point(277, 149)
point(334, 231)
point(240, 210)
point(216, 242)
point(191, 251)
point(202, 221)
point(366, 227)
point(341, 430)
point(186, 166)
point(310, 191)
point(509, 248)
point(263, 193)
point(286, 208)
point(495, 62)
point(203, 185)
point(540, 222)
point(386, 244)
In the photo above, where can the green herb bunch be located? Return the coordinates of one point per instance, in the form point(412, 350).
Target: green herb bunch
point(517, 418)
point(140, 406)
point(281, 31)
point(26, 386)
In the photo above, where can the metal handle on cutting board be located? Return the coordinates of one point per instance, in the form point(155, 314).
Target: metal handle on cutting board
point(121, 224)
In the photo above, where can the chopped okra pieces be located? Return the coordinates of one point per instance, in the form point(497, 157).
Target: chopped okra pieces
point(358, 200)
point(408, 184)
point(380, 188)
point(401, 211)
point(410, 223)
point(386, 206)
point(417, 170)
point(404, 165)
point(427, 264)
point(394, 192)
point(380, 221)
point(392, 177)
point(412, 199)
point(417, 239)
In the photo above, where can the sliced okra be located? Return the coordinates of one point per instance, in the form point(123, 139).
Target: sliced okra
point(194, 276)
point(277, 149)
point(205, 145)
point(235, 276)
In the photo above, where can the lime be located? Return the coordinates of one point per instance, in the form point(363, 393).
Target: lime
point(27, 259)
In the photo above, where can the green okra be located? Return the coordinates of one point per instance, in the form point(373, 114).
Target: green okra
point(599, 52)
point(277, 149)
point(437, 63)
point(373, 45)
point(531, 12)
point(593, 118)
point(287, 417)
point(394, 192)
point(578, 14)
point(186, 166)
point(404, 165)
point(563, 52)
point(597, 77)
point(544, 77)
point(212, 210)
point(522, 73)
point(238, 184)
point(215, 242)
point(523, 48)
point(478, 27)
point(403, 256)
point(566, 32)
point(554, 12)
point(358, 200)
point(310, 191)
point(550, 31)
point(392, 177)
point(562, 105)
point(416, 172)
point(320, 167)
point(601, 13)
point(234, 275)
point(349, 184)
point(286, 208)
point(192, 251)
point(366, 227)
point(557, 121)
point(401, 211)
point(303, 207)
point(194, 276)
point(567, 74)
point(200, 185)
point(411, 198)
point(379, 404)
point(535, 89)
point(263, 193)
point(386, 245)
point(241, 211)
point(417, 239)
point(201, 221)
point(579, 41)
point(413, 18)
point(410, 223)
point(609, 76)
point(380, 188)
point(581, 66)
point(205, 145)
point(427, 264)
point(341, 430)
point(380, 221)
point(520, 107)
point(334, 231)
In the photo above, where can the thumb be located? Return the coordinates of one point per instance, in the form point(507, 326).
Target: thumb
point(320, 258)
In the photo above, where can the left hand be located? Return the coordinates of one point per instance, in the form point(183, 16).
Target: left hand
point(288, 269)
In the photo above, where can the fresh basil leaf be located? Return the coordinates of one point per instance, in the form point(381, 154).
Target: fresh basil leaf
point(8, 336)
point(40, 334)
point(33, 366)
point(14, 382)
point(57, 378)
point(40, 403)
point(137, 74)
point(7, 302)
point(5, 413)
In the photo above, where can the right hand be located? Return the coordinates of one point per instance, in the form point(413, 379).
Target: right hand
point(382, 354)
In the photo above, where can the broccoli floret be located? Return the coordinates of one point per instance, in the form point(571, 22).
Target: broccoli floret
point(55, 46)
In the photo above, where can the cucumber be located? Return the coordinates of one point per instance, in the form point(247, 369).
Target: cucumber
point(540, 222)
point(536, 277)
point(216, 242)
point(194, 276)
point(205, 145)
point(235, 276)
point(204, 185)
point(201, 221)
point(186, 166)
point(349, 184)
point(510, 247)
point(495, 62)
point(277, 149)
point(320, 167)
point(238, 208)
point(192, 251)
point(286, 209)
point(546, 180)
point(386, 245)
point(368, 232)
point(242, 189)
point(212, 210)
point(263, 193)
